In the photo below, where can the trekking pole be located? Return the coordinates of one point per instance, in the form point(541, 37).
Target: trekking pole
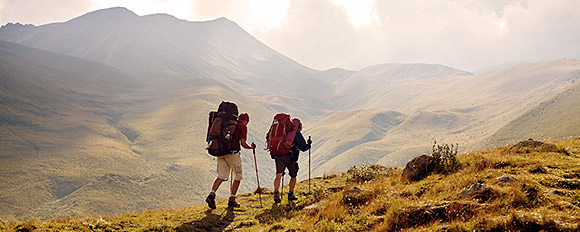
point(309, 166)
point(231, 178)
point(257, 177)
point(281, 193)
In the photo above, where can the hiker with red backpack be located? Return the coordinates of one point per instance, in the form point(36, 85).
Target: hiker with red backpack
point(285, 141)
point(227, 134)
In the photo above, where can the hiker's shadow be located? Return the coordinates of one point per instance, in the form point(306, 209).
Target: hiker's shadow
point(211, 222)
point(275, 213)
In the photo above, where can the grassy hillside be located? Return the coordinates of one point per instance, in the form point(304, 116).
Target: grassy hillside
point(556, 118)
point(339, 133)
point(521, 189)
point(57, 126)
point(376, 136)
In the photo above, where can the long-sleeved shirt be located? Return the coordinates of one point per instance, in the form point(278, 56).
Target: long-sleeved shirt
point(298, 145)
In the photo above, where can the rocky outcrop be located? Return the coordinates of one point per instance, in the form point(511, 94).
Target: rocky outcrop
point(419, 168)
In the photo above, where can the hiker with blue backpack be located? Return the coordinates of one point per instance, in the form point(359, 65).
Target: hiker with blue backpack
point(227, 134)
point(285, 141)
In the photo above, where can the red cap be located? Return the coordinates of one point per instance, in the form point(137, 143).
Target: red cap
point(244, 117)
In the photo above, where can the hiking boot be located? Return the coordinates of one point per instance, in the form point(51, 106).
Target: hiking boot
point(210, 201)
point(232, 203)
point(291, 197)
point(277, 198)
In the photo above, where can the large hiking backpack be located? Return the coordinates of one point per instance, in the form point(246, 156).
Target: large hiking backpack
point(222, 125)
point(290, 135)
point(281, 135)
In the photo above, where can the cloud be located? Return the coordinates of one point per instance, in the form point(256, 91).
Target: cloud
point(41, 12)
point(359, 12)
point(315, 33)
point(253, 15)
point(465, 34)
point(543, 30)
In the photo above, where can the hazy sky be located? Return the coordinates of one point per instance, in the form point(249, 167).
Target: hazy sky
point(467, 34)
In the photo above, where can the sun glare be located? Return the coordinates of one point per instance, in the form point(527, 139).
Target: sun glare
point(267, 14)
point(359, 12)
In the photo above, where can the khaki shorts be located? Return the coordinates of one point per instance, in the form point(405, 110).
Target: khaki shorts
point(227, 163)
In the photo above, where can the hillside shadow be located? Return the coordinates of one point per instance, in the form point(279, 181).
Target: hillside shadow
point(211, 222)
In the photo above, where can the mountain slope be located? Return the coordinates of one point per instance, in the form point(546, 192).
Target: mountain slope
point(391, 86)
point(556, 118)
point(393, 138)
point(58, 121)
point(339, 133)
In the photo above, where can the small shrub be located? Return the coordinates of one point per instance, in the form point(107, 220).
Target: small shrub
point(355, 197)
point(445, 158)
point(26, 227)
point(366, 173)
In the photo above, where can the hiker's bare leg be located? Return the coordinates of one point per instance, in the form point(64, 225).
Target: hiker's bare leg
point(216, 184)
point(292, 184)
point(277, 181)
point(234, 188)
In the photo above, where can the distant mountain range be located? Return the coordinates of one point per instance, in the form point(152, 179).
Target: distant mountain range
point(107, 113)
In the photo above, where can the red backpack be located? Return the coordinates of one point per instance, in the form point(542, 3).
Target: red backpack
point(277, 135)
point(221, 129)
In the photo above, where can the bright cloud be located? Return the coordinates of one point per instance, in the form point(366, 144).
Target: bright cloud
point(359, 12)
point(267, 14)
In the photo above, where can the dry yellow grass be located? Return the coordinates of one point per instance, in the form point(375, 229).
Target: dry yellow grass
point(542, 195)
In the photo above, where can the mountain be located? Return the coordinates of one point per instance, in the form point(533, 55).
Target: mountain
point(157, 45)
point(554, 119)
point(391, 86)
point(107, 113)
